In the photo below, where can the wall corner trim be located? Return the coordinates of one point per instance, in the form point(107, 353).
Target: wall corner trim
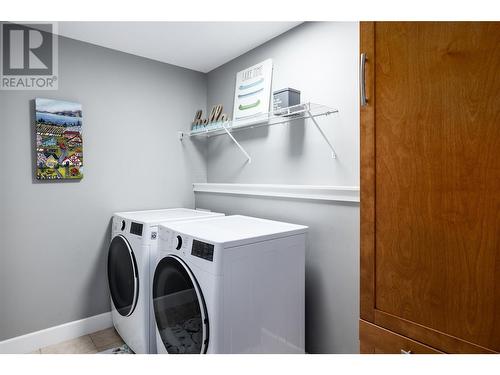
point(301, 192)
point(54, 335)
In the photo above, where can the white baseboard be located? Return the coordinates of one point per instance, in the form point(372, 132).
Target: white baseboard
point(54, 335)
point(304, 192)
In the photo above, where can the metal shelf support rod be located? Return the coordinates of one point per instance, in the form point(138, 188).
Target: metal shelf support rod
point(334, 154)
point(237, 144)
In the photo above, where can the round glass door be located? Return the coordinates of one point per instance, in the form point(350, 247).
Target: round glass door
point(180, 311)
point(123, 277)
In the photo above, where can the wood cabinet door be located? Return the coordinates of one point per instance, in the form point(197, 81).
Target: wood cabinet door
point(376, 340)
point(430, 182)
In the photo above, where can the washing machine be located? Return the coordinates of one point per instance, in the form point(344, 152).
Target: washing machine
point(132, 249)
point(232, 284)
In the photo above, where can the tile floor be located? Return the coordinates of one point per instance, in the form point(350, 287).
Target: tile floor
point(88, 344)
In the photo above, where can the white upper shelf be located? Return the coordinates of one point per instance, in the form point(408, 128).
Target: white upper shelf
point(296, 112)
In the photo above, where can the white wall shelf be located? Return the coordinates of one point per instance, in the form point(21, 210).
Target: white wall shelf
point(296, 192)
point(285, 115)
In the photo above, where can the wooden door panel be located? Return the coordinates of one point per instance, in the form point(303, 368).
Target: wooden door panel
point(434, 338)
point(376, 340)
point(367, 188)
point(434, 256)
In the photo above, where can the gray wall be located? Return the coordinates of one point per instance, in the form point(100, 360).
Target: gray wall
point(54, 235)
point(321, 60)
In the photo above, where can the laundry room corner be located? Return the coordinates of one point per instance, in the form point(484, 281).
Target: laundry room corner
point(236, 182)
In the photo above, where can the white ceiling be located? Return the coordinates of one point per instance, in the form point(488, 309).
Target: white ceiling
point(201, 46)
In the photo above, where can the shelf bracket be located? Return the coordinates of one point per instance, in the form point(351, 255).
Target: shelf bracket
point(249, 159)
point(334, 154)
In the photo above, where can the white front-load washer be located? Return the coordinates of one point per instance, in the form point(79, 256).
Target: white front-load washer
point(232, 284)
point(131, 252)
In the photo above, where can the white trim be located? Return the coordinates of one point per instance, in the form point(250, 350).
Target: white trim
point(54, 335)
point(307, 192)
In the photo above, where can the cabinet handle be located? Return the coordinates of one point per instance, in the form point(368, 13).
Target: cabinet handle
point(362, 82)
point(405, 351)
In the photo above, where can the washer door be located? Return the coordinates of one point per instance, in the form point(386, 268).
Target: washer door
point(123, 277)
point(179, 307)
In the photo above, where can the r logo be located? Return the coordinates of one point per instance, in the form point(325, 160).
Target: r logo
point(27, 50)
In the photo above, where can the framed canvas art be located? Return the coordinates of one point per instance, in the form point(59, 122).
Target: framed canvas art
point(252, 93)
point(59, 143)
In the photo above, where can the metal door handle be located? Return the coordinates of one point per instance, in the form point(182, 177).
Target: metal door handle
point(362, 82)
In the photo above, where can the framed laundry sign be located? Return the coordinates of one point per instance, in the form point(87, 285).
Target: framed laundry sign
point(252, 93)
point(59, 144)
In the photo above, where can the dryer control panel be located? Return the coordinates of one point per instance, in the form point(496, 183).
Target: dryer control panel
point(203, 250)
point(136, 228)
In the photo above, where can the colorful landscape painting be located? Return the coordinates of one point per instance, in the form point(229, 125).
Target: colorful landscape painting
point(59, 145)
